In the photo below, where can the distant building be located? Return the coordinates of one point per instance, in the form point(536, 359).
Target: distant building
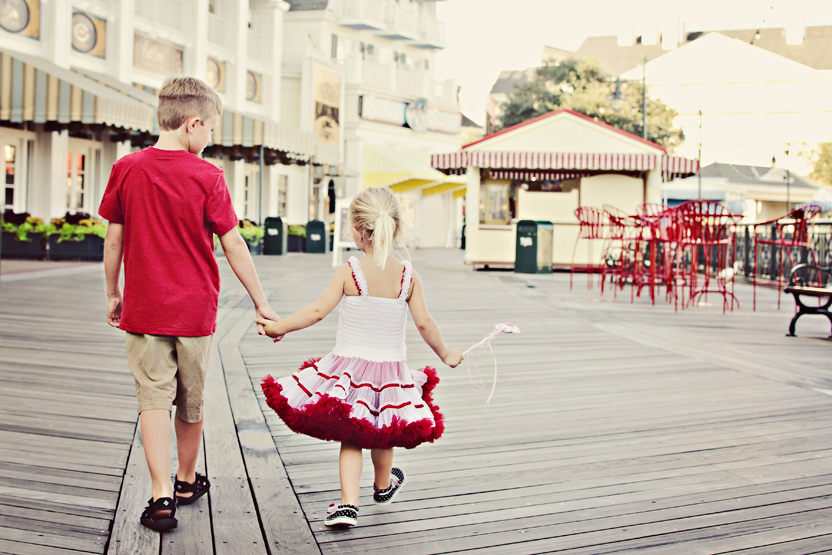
point(759, 193)
point(374, 60)
point(763, 93)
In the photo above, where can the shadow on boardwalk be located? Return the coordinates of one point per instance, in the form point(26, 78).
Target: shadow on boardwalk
point(615, 427)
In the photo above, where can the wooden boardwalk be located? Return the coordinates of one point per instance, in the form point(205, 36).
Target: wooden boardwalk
point(615, 427)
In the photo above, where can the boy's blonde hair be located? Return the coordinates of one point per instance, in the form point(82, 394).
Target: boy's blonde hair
point(376, 214)
point(183, 97)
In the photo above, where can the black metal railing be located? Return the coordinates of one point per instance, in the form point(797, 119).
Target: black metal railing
point(771, 255)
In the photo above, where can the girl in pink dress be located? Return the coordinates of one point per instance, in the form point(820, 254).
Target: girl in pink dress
point(362, 393)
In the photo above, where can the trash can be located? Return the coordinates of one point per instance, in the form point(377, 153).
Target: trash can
point(316, 237)
point(533, 250)
point(275, 239)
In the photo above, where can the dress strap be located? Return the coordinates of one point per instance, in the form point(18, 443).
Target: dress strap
point(358, 277)
point(407, 279)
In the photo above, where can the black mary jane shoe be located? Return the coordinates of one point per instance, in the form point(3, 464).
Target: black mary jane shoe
point(199, 488)
point(160, 515)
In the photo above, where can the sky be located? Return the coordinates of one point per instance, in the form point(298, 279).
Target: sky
point(485, 37)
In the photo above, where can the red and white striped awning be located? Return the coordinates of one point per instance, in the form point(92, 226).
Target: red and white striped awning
point(458, 162)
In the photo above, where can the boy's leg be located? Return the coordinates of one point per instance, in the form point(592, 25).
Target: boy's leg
point(156, 440)
point(152, 362)
point(192, 359)
point(383, 464)
point(188, 442)
point(350, 461)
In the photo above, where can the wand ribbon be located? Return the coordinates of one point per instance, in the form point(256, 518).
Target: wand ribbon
point(505, 327)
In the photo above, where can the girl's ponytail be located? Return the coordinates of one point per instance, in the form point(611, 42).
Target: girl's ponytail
point(383, 236)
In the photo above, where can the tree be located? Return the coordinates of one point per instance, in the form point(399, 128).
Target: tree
point(582, 86)
point(822, 162)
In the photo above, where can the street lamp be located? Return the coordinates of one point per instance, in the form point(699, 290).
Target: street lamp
point(617, 99)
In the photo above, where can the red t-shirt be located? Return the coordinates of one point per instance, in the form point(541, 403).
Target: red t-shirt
point(170, 202)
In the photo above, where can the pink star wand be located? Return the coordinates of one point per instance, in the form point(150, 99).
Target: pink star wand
point(505, 327)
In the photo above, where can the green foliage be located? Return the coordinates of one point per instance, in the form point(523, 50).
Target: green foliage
point(78, 231)
point(31, 225)
point(299, 230)
point(582, 86)
point(251, 232)
point(822, 162)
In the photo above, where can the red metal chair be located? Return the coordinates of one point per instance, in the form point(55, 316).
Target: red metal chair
point(622, 252)
point(794, 230)
point(707, 251)
point(659, 233)
point(592, 229)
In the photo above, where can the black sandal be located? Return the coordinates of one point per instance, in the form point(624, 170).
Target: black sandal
point(160, 514)
point(199, 488)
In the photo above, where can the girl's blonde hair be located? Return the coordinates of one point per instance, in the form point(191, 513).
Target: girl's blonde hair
point(376, 214)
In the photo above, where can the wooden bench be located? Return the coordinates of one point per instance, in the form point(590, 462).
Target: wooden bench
point(799, 280)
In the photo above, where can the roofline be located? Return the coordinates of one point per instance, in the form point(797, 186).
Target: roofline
point(574, 113)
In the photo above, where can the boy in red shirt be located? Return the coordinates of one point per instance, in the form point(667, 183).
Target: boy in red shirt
point(164, 204)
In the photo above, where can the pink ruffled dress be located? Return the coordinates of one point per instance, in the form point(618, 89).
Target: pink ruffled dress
point(362, 392)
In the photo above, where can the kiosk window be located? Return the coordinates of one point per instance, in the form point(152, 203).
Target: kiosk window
point(494, 203)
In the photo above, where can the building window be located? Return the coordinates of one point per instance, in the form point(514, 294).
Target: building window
point(282, 186)
point(76, 181)
point(494, 205)
point(214, 6)
point(334, 52)
point(10, 157)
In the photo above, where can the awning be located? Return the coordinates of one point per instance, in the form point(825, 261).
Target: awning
point(37, 91)
point(234, 128)
point(560, 165)
point(401, 171)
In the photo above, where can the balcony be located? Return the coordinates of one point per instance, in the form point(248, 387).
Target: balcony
point(410, 84)
point(216, 32)
point(363, 15)
point(401, 21)
point(431, 34)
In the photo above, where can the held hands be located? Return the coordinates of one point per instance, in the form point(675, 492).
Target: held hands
point(265, 315)
point(453, 357)
point(268, 328)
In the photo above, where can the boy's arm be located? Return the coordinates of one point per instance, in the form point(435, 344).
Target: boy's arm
point(313, 313)
point(428, 328)
point(113, 252)
point(239, 258)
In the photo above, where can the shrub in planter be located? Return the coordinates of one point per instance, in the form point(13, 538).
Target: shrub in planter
point(253, 235)
point(23, 236)
point(296, 239)
point(81, 241)
point(75, 237)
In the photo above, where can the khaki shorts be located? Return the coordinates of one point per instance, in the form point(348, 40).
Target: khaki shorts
point(169, 370)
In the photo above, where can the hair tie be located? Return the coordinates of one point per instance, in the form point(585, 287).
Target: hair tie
point(383, 212)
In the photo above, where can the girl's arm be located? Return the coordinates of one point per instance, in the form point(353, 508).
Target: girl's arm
point(428, 328)
point(313, 313)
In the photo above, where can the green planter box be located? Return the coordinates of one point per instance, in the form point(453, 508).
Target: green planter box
point(91, 248)
point(34, 249)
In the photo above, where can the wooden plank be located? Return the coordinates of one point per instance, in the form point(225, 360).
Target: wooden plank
point(128, 536)
point(286, 529)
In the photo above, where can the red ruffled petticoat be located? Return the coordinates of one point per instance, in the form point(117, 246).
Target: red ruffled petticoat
point(328, 418)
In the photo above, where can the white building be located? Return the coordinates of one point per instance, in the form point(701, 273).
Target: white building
point(361, 72)
point(77, 91)
point(757, 105)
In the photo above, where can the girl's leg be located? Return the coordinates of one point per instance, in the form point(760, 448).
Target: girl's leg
point(383, 464)
point(349, 464)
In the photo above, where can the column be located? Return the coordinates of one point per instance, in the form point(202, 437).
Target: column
point(197, 56)
point(48, 199)
point(472, 213)
point(121, 62)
